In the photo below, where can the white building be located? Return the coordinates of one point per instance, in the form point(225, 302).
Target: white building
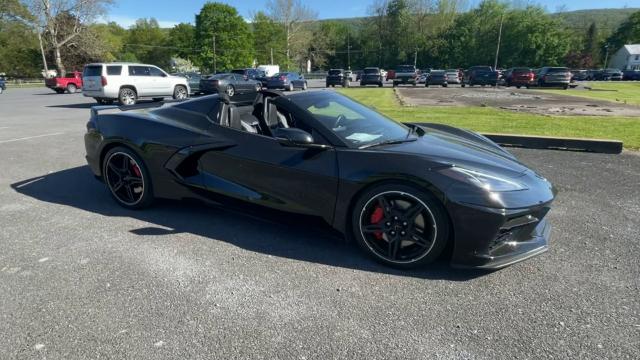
point(627, 58)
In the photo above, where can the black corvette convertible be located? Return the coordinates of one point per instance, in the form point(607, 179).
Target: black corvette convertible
point(402, 191)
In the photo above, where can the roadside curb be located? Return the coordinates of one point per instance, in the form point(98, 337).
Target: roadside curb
point(557, 143)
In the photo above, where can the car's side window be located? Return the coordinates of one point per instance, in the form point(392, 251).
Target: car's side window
point(114, 70)
point(154, 71)
point(138, 71)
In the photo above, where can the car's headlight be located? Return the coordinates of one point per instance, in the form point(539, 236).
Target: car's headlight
point(486, 181)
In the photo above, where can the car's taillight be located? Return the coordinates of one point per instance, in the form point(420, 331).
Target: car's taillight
point(283, 78)
point(531, 76)
point(103, 80)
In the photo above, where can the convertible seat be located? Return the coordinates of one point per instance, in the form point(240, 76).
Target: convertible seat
point(235, 122)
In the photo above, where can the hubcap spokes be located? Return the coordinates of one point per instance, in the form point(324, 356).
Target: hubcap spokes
point(124, 177)
point(398, 227)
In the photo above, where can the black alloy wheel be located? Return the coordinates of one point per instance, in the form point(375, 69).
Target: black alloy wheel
point(400, 226)
point(127, 178)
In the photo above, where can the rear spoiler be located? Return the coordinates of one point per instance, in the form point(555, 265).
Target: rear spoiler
point(95, 110)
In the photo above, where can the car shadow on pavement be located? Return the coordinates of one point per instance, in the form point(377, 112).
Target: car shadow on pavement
point(289, 237)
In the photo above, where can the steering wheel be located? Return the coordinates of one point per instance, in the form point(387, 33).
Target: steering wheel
point(338, 121)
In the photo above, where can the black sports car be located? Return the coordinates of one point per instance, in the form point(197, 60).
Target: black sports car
point(402, 191)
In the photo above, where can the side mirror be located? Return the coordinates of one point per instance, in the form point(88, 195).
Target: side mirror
point(295, 137)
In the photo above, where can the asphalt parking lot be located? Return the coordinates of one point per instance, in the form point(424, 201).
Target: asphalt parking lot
point(81, 277)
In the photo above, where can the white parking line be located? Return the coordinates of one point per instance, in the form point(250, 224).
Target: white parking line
point(4, 127)
point(30, 137)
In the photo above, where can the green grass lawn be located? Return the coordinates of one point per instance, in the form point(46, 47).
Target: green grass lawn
point(625, 92)
point(492, 120)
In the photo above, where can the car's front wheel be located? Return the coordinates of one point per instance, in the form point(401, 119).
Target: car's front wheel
point(230, 90)
point(71, 89)
point(400, 225)
point(127, 178)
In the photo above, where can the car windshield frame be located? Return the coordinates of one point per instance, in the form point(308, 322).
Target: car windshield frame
point(361, 126)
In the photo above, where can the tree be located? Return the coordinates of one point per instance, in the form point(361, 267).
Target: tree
point(147, 43)
point(627, 33)
point(48, 18)
point(182, 40)
point(18, 43)
point(293, 15)
point(110, 38)
point(268, 40)
point(221, 26)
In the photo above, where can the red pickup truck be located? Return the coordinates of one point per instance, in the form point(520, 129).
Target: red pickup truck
point(70, 83)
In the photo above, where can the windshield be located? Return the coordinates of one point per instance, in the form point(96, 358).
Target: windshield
point(335, 72)
point(92, 70)
point(405, 69)
point(558, 69)
point(219, 76)
point(371, 71)
point(354, 123)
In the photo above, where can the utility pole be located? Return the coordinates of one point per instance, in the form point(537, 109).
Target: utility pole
point(214, 54)
point(271, 56)
point(415, 58)
point(495, 64)
point(348, 50)
point(606, 56)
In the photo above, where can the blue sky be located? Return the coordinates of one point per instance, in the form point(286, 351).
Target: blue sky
point(168, 13)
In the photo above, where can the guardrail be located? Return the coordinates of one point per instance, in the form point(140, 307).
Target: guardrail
point(24, 82)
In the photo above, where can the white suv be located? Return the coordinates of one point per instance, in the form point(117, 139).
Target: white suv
point(127, 82)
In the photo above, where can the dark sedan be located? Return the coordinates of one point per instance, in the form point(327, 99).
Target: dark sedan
point(288, 81)
point(371, 76)
point(228, 83)
point(194, 80)
point(630, 75)
point(436, 77)
point(336, 77)
point(403, 192)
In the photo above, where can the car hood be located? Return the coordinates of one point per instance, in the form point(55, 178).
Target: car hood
point(452, 146)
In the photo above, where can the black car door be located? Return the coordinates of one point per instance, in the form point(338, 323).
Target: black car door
point(258, 169)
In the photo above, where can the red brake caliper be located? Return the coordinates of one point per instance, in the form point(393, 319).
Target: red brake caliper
point(376, 216)
point(136, 170)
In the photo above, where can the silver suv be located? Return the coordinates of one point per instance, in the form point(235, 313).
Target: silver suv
point(128, 82)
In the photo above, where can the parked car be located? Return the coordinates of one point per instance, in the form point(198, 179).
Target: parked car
point(553, 76)
point(253, 74)
point(519, 77)
point(628, 75)
point(193, 79)
point(405, 74)
point(230, 83)
point(371, 76)
point(437, 77)
point(128, 82)
point(336, 77)
point(288, 81)
point(269, 70)
point(422, 78)
point(391, 74)
point(3, 85)
point(579, 75)
point(453, 76)
point(592, 74)
point(358, 74)
point(70, 83)
point(403, 192)
point(350, 75)
point(610, 75)
point(480, 75)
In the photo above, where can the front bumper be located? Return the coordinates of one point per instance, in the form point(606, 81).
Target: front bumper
point(489, 238)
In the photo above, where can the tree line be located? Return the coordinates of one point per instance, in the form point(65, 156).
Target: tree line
point(65, 35)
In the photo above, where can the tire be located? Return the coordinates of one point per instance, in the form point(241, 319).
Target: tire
point(463, 85)
point(1, 90)
point(304, 86)
point(411, 215)
point(565, 87)
point(395, 84)
point(518, 87)
point(445, 85)
point(71, 88)
point(379, 84)
point(127, 96)
point(230, 90)
point(326, 85)
point(290, 87)
point(180, 92)
point(426, 84)
point(137, 191)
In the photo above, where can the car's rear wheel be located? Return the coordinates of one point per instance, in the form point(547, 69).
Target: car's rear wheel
point(71, 89)
point(127, 96)
point(400, 225)
point(290, 87)
point(127, 178)
point(180, 93)
point(230, 90)
point(304, 85)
